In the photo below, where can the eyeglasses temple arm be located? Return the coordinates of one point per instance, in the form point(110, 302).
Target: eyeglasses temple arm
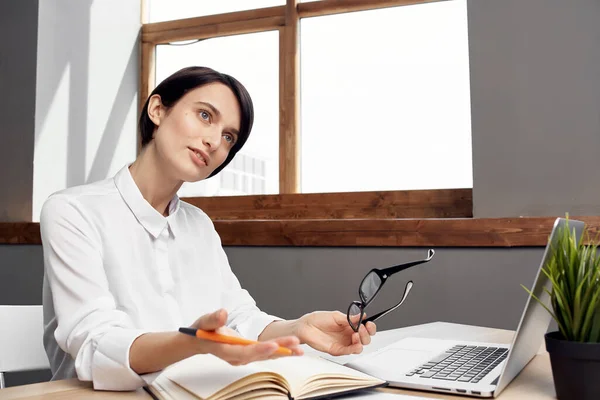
point(397, 268)
point(407, 289)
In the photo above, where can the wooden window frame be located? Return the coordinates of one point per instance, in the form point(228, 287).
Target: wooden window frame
point(285, 19)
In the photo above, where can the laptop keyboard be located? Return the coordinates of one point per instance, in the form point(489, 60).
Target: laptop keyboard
point(462, 364)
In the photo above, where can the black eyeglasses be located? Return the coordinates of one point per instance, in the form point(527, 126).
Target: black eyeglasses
point(372, 284)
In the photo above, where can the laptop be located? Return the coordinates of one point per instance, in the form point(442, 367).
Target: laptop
point(463, 367)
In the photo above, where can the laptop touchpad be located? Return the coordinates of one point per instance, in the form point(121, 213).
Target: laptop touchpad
point(395, 360)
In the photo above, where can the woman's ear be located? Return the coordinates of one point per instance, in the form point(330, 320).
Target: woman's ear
point(155, 109)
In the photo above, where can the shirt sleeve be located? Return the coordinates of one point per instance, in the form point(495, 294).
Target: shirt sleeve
point(90, 328)
point(243, 314)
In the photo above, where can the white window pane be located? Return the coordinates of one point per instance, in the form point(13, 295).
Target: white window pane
point(167, 10)
point(252, 59)
point(385, 99)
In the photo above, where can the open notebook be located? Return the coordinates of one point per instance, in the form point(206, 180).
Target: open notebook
point(210, 378)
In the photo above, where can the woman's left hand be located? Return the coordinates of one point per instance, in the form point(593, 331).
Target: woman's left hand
point(329, 331)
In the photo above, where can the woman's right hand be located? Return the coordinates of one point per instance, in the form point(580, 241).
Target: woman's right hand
point(236, 354)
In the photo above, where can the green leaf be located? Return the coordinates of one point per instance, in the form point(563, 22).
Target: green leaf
point(541, 303)
point(573, 269)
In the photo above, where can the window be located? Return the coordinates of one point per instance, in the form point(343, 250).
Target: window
point(386, 106)
point(252, 59)
point(414, 114)
point(167, 10)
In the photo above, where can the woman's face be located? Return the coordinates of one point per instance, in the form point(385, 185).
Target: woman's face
point(195, 136)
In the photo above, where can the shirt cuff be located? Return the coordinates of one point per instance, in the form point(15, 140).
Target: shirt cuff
point(110, 368)
point(252, 327)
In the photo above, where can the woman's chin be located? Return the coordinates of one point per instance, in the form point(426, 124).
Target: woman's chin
point(190, 172)
point(195, 175)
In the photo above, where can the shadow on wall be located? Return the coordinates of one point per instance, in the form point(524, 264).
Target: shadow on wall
point(64, 52)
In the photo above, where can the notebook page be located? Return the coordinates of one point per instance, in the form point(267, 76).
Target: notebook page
point(205, 374)
point(298, 371)
point(168, 390)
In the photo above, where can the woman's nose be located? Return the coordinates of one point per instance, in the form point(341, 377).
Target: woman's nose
point(212, 140)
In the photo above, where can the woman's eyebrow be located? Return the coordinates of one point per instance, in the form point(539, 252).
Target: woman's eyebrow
point(208, 105)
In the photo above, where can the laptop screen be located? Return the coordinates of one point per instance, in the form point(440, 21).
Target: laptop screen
point(535, 319)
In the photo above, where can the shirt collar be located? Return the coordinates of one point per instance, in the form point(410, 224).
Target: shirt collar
point(172, 219)
point(146, 215)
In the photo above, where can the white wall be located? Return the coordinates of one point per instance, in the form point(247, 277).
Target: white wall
point(86, 92)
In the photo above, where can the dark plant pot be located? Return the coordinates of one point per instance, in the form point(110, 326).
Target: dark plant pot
point(575, 368)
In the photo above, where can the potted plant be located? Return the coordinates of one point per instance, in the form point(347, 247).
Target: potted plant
point(574, 272)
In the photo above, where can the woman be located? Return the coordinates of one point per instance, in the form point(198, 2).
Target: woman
point(127, 263)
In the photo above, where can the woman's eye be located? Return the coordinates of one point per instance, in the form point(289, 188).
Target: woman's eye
point(229, 138)
point(205, 115)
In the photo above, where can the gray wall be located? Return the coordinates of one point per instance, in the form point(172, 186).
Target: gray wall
point(471, 286)
point(18, 30)
point(21, 274)
point(535, 104)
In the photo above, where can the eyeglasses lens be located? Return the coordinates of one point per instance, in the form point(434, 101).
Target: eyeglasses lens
point(369, 287)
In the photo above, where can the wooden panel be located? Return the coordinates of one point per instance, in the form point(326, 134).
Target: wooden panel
point(445, 203)
point(463, 232)
point(20, 233)
point(214, 30)
point(282, 111)
point(289, 114)
point(246, 15)
point(468, 232)
point(329, 7)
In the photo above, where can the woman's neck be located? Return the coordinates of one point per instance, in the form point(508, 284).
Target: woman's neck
point(153, 180)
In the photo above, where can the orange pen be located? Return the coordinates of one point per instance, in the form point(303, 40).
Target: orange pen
point(217, 337)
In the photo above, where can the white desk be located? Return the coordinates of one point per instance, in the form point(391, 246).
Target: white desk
point(534, 382)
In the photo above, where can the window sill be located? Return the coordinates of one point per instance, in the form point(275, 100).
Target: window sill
point(442, 232)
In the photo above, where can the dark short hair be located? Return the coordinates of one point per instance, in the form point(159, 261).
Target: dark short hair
point(177, 85)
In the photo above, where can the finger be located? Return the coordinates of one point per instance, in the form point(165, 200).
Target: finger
point(341, 319)
point(292, 343)
point(355, 318)
point(225, 330)
point(212, 321)
point(356, 349)
point(340, 350)
point(355, 338)
point(371, 328)
point(239, 354)
point(365, 338)
point(356, 346)
point(264, 352)
point(287, 341)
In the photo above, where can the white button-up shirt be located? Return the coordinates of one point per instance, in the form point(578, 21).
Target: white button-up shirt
point(116, 268)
